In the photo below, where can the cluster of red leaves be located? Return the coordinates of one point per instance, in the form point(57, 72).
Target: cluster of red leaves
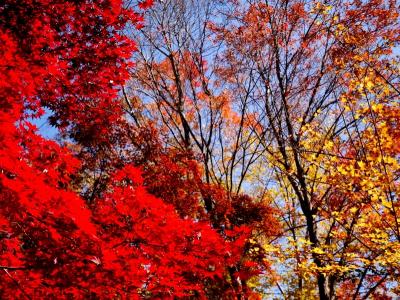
point(131, 244)
point(68, 56)
point(175, 177)
point(76, 57)
point(151, 240)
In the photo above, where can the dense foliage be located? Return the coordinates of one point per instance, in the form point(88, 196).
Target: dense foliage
point(199, 149)
point(68, 57)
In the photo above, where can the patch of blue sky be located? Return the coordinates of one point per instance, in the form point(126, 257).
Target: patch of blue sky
point(44, 128)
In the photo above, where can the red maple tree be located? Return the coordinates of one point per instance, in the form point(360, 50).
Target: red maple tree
point(68, 57)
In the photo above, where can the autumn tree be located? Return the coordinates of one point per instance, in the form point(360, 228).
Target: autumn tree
point(69, 57)
point(322, 75)
point(175, 84)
